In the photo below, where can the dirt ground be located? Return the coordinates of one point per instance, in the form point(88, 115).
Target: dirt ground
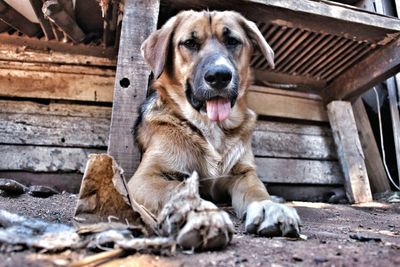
point(337, 235)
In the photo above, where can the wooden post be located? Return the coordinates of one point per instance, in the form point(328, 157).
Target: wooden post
point(140, 19)
point(373, 161)
point(10, 16)
point(394, 112)
point(351, 156)
point(44, 23)
point(61, 17)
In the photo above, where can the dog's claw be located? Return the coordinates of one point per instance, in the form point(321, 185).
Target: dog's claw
point(277, 219)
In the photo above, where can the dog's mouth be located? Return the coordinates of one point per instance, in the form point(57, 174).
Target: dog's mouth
point(217, 105)
point(218, 109)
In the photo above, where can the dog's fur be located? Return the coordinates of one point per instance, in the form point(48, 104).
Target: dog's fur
point(176, 135)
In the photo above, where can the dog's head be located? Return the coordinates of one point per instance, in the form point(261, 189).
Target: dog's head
point(207, 54)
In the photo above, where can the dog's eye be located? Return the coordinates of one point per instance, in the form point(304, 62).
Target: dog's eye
point(191, 44)
point(231, 41)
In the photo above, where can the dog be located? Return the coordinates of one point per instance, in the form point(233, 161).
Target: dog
point(197, 119)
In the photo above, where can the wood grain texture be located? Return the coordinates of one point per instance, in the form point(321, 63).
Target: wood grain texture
point(18, 52)
point(44, 159)
point(51, 130)
point(289, 140)
point(376, 173)
point(140, 19)
point(54, 124)
point(350, 152)
point(54, 108)
point(55, 85)
point(373, 69)
point(298, 171)
point(281, 103)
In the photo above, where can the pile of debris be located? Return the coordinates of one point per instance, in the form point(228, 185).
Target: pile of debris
point(107, 219)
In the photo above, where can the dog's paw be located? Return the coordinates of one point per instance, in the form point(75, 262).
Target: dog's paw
point(267, 218)
point(195, 223)
point(206, 228)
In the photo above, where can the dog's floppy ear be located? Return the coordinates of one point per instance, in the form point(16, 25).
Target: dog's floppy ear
point(155, 48)
point(255, 34)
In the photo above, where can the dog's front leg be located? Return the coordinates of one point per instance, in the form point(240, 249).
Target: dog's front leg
point(263, 216)
point(149, 188)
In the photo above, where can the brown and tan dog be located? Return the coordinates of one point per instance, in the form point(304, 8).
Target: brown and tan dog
point(198, 120)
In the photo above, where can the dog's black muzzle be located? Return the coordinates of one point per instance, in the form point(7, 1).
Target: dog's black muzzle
point(215, 77)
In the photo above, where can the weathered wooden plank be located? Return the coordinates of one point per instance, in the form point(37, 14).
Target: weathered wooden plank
point(58, 68)
point(351, 156)
point(140, 19)
point(373, 69)
point(54, 124)
point(284, 105)
point(298, 171)
point(18, 49)
point(44, 159)
point(56, 109)
point(288, 140)
point(69, 182)
point(32, 129)
point(373, 161)
point(44, 84)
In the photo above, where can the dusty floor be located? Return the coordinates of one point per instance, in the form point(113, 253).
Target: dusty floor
point(333, 231)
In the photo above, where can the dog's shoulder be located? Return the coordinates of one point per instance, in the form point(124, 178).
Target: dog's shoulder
point(159, 118)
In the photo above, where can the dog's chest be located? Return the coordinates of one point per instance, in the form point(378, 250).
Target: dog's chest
point(224, 151)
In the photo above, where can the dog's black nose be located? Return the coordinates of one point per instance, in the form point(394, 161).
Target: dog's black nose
point(218, 77)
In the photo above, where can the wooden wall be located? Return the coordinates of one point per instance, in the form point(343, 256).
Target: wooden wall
point(52, 116)
point(293, 144)
point(55, 110)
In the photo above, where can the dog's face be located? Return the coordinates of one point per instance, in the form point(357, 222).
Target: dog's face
point(207, 54)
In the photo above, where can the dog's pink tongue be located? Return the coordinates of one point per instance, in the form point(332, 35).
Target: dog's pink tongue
point(218, 109)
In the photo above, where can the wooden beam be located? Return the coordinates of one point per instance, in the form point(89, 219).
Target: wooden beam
point(59, 15)
point(280, 103)
point(44, 23)
point(297, 82)
point(351, 156)
point(140, 19)
point(44, 158)
point(290, 140)
point(316, 16)
point(376, 173)
point(373, 69)
point(34, 52)
point(299, 171)
point(51, 84)
point(17, 21)
point(54, 124)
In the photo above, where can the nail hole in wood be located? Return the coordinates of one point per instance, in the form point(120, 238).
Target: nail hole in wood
point(124, 82)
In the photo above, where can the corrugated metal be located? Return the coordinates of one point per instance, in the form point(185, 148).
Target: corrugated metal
point(314, 55)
